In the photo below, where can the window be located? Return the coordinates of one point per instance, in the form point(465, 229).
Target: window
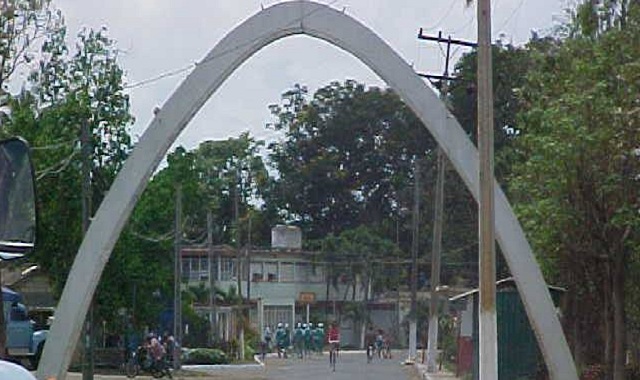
point(195, 268)
point(286, 272)
point(186, 268)
point(316, 273)
point(302, 272)
point(271, 270)
point(19, 313)
point(256, 272)
point(227, 269)
point(204, 264)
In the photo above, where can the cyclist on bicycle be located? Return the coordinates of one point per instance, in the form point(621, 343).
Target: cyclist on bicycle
point(333, 337)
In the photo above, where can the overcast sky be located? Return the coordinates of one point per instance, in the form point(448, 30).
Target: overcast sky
point(161, 36)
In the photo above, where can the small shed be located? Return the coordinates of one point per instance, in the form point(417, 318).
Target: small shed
point(518, 354)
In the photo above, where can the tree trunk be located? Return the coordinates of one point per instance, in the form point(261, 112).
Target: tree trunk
point(608, 330)
point(619, 316)
point(365, 302)
point(3, 328)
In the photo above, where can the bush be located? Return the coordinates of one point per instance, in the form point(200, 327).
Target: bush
point(249, 352)
point(205, 356)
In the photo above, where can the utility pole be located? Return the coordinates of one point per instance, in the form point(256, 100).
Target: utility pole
point(212, 280)
point(248, 253)
point(486, 210)
point(236, 207)
point(85, 148)
point(177, 293)
point(236, 218)
point(414, 263)
point(432, 344)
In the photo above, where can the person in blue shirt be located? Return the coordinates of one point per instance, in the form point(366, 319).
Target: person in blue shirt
point(319, 338)
point(298, 340)
point(308, 344)
point(281, 340)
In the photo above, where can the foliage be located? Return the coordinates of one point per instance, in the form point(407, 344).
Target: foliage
point(22, 22)
point(210, 177)
point(510, 66)
point(576, 178)
point(347, 156)
point(205, 356)
point(70, 89)
point(361, 255)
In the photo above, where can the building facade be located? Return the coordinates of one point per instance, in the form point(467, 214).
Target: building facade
point(281, 285)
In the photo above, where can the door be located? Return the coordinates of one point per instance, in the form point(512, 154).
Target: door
point(19, 328)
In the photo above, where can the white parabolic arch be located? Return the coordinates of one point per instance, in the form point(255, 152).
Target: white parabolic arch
point(271, 24)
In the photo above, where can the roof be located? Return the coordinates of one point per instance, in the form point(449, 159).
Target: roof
point(505, 282)
point(10, 296)
point(228, 251)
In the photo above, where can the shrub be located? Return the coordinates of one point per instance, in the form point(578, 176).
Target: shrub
point(205, 356)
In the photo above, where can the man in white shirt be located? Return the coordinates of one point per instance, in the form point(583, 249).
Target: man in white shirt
point(13, 371)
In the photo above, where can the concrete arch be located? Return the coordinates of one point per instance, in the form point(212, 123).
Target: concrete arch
point(267, 26)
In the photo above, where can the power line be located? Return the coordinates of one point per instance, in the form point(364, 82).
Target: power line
point(221, 54)
point(159, 77)
point(466, 25)
point(62, 165)
point(515, 10)
point(437, 24)
point(55, 145)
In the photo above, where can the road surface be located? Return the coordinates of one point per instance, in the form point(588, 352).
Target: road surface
point(350, 366)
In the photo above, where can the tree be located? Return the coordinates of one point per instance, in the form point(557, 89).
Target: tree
point(68, 90)
point(346, 157)
point(22, 22)
point(576, 181)
point(210, 176)
point(361, 254)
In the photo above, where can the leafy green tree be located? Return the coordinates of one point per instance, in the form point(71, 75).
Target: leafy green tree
point(510, 67)
point(69, 90)
point(362, 255)
point(21, 23)
point(347, 156)
point(210, 176)
point(577, 180)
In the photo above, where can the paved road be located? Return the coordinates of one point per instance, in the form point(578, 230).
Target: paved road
point(350, 366)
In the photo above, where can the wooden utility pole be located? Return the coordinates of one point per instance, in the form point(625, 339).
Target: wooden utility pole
point(432, 345)
point(236, 219)
point(486, 210)
point(177, 293)
point(85, 148)
point(212, 280)
point(414, 263)
point(248, 253)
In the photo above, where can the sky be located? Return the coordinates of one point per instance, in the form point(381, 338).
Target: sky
point(158, 37)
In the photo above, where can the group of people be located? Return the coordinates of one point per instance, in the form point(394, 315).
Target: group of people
point(377, 342)
point(306, 339)
point(159, 347)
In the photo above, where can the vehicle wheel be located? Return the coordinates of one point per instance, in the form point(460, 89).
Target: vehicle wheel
point(35, 359)
point(131, 368)
point(157, 373)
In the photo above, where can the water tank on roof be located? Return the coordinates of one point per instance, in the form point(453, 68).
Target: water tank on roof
point(289, 237)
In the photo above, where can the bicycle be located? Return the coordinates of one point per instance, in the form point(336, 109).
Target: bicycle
point(140, 361)
point(370, 352)
point(333, 354)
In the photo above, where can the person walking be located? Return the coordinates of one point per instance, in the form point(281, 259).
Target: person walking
point(281, 337)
